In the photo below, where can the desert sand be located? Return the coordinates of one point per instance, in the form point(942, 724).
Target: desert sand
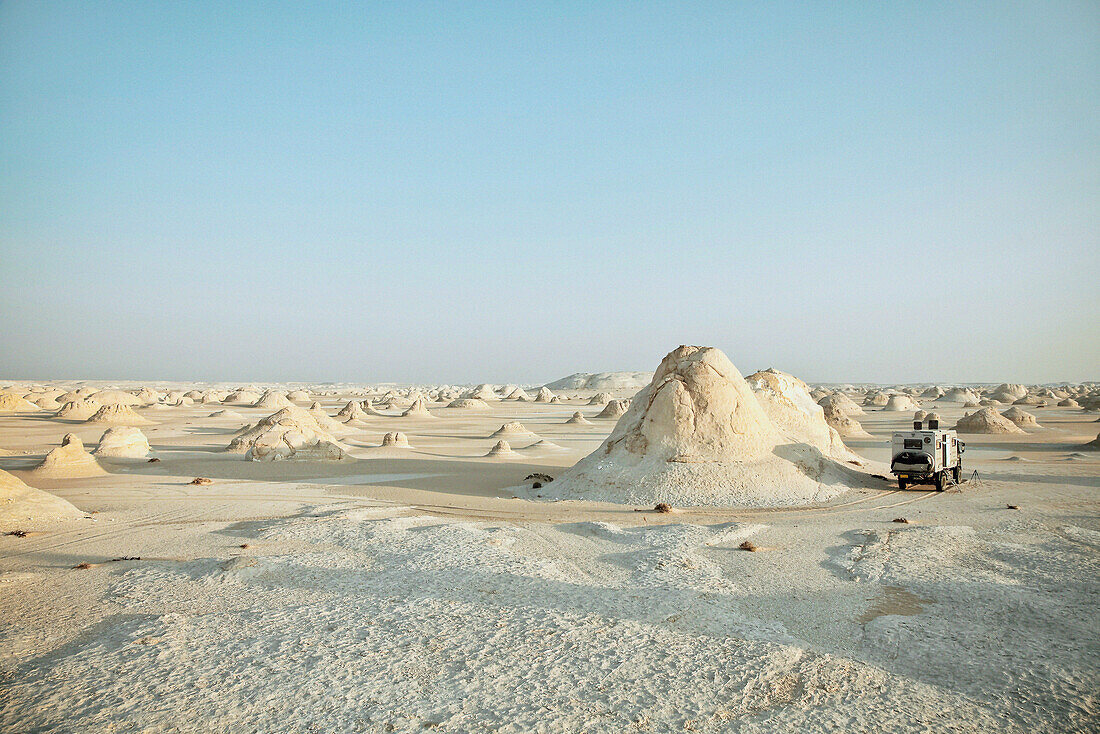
point(455, 563)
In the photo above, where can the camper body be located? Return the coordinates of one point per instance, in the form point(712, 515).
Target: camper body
point(926, 456)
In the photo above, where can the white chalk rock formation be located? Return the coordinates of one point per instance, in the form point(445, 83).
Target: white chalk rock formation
point(1021, 418)
point(21, 505)
point(482, 392)
point(501, 450)
point(272, 400)
point(512, 429)
point(519, 394)
point(418, 409)
point(959, 395)
point(843, 423)
point(841, 402)
point(117, 397)
point(900, 404)
point(124, 442)
point(353, 412)
point(292, 433)
point(786, 401)
point(242, 397)
point(876, 399)
point(600, 398)
point(986, 420)
point(578, 420)
point(69, 461)
point(395, 440)
point(118, 414)
point(614, 409)
point(15, 404)
point(299, 396)
point(698, 435)
point(544, 395)
point(326, 421)
point(469, 404)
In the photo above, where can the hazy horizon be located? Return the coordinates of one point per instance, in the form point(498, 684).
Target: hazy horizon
point(428, 193)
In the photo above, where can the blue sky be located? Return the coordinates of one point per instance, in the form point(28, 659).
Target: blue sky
point(516, 191)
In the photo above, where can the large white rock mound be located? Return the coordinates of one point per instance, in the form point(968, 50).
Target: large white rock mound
point(118, 414)
point(70, 460)
point(21, 504)
point(986, 420)
point(124, 442)
point(292, 434)
point(698, 435)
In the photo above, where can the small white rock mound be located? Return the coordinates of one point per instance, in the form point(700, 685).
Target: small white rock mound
point(1021, 418)
point(843, 423)
point(70, 460)
point(396, 440)
point(600, 398)
point(614, 409)
point(228, 414)
point(80, 409)
point(272, 400)
point(986, 420)
point(326, 421)
point(900, 404)
point(242, 397)
point(501, 449)
point(353, 412)
point(292, 433)
point(468, 404)
point(578, 420)
point(544, 395)
point(959, 395)
point(21, 504)
point(518, 394)
point(15, 404)
point(482, 392)
point(1068, 403)
point(512, 428)
point(698, 435)
point(841, 402)
point(118, 414)
point(920, 415)
point(124, 442)
point(418, 409)
point(1008, 392)
point(876, 399)
point(933, 392)
point(116, 397)
point(299, 396)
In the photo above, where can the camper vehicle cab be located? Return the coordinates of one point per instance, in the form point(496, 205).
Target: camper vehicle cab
point(927, 456)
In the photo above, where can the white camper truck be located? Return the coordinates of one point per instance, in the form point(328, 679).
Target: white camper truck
point(927, 455)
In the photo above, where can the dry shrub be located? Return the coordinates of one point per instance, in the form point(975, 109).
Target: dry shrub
point(202, 481)
point(749, 546)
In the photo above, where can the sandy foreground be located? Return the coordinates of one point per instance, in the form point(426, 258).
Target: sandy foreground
point(408, 589)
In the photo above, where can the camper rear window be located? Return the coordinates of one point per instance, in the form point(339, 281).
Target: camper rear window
point(912, 443)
